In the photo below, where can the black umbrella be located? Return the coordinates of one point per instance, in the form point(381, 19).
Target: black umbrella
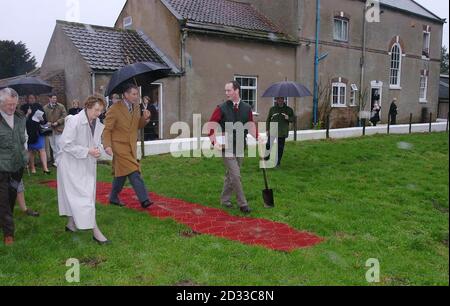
point(30, 85)
point(287, 89)
point(138, 73)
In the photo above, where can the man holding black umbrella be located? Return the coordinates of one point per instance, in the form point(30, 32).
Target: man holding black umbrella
point(282, 115)
point(122, 123)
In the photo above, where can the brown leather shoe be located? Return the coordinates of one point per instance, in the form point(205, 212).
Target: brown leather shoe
point(8, 240)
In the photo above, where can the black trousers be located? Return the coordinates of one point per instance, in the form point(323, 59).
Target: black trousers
point(281, 145)
point(8, 195)
point(393, 119)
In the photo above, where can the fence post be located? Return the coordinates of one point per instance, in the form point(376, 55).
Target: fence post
point(431, 118)
point(389, 125)
point(328, 126)
point(410, 123)
point(446, 128)
point(142, 144)
point(364, 126)
point(295, 128)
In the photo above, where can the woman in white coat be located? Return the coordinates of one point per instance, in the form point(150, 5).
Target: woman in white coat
point(77, 168)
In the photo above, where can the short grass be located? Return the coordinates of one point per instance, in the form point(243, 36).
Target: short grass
point(381, 197)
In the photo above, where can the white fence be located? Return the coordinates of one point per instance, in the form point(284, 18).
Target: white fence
point(187, 144)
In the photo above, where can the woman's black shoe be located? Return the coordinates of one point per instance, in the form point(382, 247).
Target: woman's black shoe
point(47, 172)
point(68, 230)
point(102, 242)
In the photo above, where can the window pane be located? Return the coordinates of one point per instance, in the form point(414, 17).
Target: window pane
point(345, 30)
point(337, 29)
point(342, 96)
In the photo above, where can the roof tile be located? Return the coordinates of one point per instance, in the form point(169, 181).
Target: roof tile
point(106, 48)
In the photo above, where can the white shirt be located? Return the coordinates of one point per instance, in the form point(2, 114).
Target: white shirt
point(9, 119)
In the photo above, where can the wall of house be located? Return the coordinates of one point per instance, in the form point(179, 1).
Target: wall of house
point(63, 56)
point(213, 61)
point(344, 58)
point(157, 22)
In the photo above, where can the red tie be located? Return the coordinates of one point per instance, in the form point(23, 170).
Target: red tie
point(236, 108)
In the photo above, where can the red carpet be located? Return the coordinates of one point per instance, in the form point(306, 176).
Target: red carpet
point(216, 222)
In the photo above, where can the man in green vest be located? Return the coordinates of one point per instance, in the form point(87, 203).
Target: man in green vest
point(235, 118)
point(282, 115)
point(13, 159)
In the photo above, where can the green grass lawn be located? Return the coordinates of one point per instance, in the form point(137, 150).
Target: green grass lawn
point(367, 197)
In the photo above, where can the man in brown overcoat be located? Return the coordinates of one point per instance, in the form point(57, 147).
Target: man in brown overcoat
point(122, 123)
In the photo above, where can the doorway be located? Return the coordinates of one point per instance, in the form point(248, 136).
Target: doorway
point(155, 129)
point(376, 94)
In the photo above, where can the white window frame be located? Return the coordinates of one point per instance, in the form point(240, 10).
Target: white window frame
point(344, 35)
point(423, 90)
point(340, 86)
point(426, 44)
point(397, 85)
point(127, 22)
point(353, 94)
point(255, 88)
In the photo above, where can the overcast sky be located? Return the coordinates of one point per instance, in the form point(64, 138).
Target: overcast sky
point(33, 21)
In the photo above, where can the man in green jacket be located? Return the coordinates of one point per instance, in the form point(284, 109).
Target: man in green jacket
point(13, 159)
point(283, 115)
point(56, 114)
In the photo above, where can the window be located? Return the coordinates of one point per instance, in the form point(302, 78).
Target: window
point(340, 29)
point(353, 95)
point(339, 95)
point(426, 44)
point(396, 65)
point(127, 22)
point(249, 89)
point(423, 86)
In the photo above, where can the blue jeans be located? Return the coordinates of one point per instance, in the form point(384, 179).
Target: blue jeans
point(138, 185)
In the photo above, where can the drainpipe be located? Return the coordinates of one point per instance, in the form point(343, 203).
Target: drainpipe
point(93, 82)
point(184, 35)
point(316, 66)
point(363, 63)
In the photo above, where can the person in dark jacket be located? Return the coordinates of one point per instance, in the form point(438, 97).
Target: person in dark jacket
point(76, 109)
point(230, 113)
point(13, 159)
point(393, 112)
point(151, 130)
point(36, 140)
point(375, 116)
point(282, 115)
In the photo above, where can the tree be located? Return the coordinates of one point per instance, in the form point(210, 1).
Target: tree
point(15, 59)
point(444, 61)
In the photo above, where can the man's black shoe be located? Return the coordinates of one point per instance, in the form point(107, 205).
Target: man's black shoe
point(246, 210)
point(146, 204)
